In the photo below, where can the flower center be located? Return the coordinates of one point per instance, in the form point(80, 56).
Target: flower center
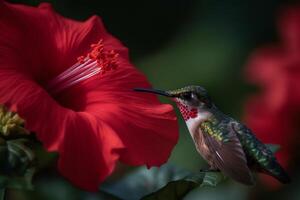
point(97, 61)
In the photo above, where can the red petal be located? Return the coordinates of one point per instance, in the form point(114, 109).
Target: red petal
point(274, 114)
point(265, 66)
point(147, 128)
point(34, 105)
point(42, 43)
point(105, 120)
point(289, 27)
point(89, 152)
point(88, 147)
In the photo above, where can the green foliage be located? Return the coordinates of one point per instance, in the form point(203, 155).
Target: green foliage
point(212, 179)
point(18, 182)
point(178, 189)
point(166, 182)
point(17, 164)
point(173, 190)
point(144, 181)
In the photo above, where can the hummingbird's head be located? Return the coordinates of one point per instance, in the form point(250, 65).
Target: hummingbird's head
point(190, 96)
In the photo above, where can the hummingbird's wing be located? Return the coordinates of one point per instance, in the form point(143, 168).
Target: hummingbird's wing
point(259, 153)
point(225, 151)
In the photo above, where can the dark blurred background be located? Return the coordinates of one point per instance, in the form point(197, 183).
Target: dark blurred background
point(181, 42)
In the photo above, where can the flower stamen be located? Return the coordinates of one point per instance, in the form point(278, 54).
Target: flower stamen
point(98, 60)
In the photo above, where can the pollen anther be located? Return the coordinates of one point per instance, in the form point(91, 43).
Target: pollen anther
point(98, 61)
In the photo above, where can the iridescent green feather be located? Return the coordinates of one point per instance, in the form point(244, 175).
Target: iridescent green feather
point(191, 88)
point(215, 130)
point(259, 152)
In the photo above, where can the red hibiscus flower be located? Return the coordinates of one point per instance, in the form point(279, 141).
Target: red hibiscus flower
point(84, 109)
point(273, 114)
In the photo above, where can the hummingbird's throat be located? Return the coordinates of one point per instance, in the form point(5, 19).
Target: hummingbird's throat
point(187, 112)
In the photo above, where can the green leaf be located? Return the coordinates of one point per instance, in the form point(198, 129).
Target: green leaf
point(273, 147)
point(212, 179)
point(107, 196)
point(58, 188)
point(173, 190)
point(176, 190)
point(20, 157)
point(18, 182)
point(17, 165)
point(144, 181)
point(167, 182)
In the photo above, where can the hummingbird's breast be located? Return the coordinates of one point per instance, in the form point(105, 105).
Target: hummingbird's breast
point(193, 125)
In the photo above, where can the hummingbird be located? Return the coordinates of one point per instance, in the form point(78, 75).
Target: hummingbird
point(225, 143)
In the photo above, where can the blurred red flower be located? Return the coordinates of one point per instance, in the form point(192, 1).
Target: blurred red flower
point(273, 114)
point(92, 118)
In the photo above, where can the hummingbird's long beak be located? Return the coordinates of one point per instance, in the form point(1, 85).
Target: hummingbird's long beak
point(154, 91)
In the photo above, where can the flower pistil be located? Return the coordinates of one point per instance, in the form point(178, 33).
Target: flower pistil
point(98, 60)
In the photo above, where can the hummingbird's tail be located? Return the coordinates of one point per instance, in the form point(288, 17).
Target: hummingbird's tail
point(277, 172)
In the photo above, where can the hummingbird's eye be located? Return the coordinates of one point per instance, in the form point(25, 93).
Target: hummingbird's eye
point(207, 102)
point(187, 96)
